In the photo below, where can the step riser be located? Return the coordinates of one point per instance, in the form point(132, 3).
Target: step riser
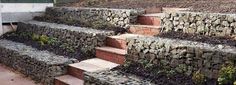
point(116, 43)
point(58, 82)
point(68, 80)
point(148, 31)
point(78, 73)
point(149, 20)
point(112, 57)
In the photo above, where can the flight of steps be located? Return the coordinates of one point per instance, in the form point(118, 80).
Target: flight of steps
point(113, 54)
point(148, 25)
point(108, 57)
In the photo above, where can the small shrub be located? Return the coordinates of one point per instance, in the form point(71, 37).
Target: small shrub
point(227, 75)
point(35, 37)
point(198, 78)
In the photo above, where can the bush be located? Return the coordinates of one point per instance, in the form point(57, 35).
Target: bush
point(227, 75)
point(198, 78)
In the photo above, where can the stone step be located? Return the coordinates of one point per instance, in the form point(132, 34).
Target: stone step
point(119, 41)
point(68, 80)
point(41, 66)
point(90, 65)
point(150, 19)
point(111, 54)
point(147, 30)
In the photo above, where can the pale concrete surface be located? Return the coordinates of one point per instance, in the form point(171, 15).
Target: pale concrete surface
point(10, 77)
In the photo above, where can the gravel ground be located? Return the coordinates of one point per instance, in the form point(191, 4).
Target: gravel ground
point(216, 6)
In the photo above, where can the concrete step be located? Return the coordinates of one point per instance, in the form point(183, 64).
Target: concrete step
point(41, 66)
point(147, 30)
point(150, 19)
point(90, 65)
point(68, 80)
point(111, 54)
point(119, 41)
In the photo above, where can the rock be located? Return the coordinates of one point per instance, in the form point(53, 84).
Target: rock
point(225, 23)
point(217, 22)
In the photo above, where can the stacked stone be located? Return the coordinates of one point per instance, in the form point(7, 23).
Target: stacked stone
point(41, 66)
point(113, 78)
point(84, 40)
point(117, 17)
point(183, 56)
point(212, 24)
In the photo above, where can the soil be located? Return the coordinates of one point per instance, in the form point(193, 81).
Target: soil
point(215, 6)
point(160, 76)
point(55, 49)
point(199, 38)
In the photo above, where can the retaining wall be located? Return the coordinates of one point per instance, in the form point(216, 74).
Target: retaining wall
point(117, 17)
point(212, 24)
point(41, 66)
point(183, 56)
point(75, 42)
point(113, 78)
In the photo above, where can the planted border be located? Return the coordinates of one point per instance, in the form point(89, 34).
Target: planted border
point(73, 42)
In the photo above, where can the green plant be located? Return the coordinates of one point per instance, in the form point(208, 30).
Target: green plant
point(35, 37)
point(198, 78)
point(53, 41)
point(127, 63)
point(43, 39)
point(67, 47)
point(145, 63)
point(227, 75)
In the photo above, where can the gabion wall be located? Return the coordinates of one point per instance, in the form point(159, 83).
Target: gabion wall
point(113, 78)
point(81, 40)
point(41, 66)
point(118, 17)
point(183, 56)
point(212, 24)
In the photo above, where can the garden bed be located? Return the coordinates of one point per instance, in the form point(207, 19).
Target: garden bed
point(70, 41)
point(216, 6)
point(160, 76)
point(199, 38)
point(186, 54)
point(97, 18)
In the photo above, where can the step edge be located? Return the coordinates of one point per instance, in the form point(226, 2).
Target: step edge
point(100, 48)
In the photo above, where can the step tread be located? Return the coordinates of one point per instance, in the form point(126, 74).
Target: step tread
point(70, 80)
point(101, 63)
point(86, 67)
point(112, 50)
point(125, 36)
